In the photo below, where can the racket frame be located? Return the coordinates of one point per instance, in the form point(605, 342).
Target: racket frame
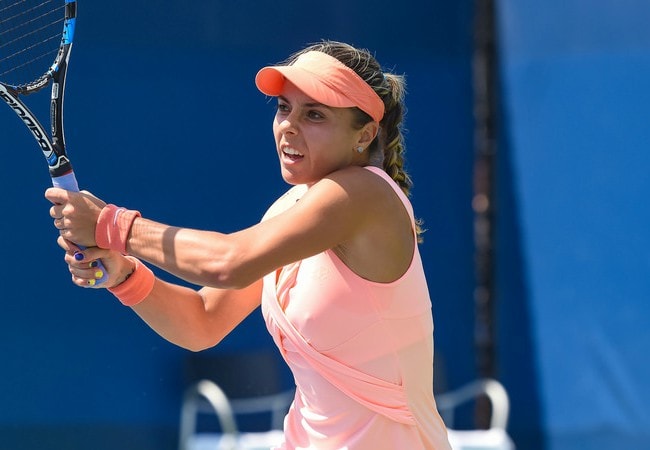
point(52, 145)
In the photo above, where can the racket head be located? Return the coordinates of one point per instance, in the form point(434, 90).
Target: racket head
point(33, 33)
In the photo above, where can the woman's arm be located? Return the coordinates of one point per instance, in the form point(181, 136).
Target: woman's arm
point(197, 320)
point(333, 211)
point(192, 319)
point(350, 207)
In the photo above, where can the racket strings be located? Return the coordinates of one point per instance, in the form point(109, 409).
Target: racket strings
point(29, 34)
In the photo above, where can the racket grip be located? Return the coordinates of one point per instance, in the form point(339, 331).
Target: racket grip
point(69, 183)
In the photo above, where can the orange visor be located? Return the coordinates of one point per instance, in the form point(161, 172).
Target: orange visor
point(325, 79)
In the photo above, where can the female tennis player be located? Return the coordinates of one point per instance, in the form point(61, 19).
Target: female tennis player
point(334, 263)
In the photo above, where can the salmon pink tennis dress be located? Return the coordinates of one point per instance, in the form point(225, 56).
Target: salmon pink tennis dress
point(361, 354)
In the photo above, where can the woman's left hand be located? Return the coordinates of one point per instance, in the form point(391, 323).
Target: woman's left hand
point(85, 270)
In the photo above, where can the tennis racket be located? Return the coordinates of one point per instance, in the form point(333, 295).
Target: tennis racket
point(33, 33)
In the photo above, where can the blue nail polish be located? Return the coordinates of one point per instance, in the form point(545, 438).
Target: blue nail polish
point(79, 256)
point(94, 263)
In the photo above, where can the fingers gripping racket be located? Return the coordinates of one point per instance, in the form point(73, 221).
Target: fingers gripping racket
point(32, 34)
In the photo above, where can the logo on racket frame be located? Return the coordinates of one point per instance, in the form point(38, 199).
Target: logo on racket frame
point(53, 160)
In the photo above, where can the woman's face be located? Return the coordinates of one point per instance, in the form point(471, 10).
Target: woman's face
point(314, 140)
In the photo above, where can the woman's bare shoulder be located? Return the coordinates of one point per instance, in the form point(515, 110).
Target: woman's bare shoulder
point(285, 201)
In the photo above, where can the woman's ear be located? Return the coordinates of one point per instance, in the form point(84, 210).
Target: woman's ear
point(368, 133)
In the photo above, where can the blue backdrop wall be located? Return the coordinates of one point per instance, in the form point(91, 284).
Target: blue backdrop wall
point(574, 251)
point(163, 116)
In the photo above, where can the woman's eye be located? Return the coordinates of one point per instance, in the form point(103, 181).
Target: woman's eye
point(282, 107)
point(315, 115)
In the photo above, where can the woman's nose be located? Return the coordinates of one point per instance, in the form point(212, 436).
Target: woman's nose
point(288, 124)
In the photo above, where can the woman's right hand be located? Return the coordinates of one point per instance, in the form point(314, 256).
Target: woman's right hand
point(75, 214)
point(84, 268)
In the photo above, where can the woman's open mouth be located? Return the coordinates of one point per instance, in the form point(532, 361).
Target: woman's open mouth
point(292, 154)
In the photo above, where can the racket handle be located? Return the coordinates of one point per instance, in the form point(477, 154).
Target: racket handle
point(69, 183)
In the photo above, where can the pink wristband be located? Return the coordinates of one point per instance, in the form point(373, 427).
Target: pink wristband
point(137, 286)
point(113, 227)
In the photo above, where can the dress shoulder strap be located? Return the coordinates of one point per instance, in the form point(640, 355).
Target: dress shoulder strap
point(398, 190)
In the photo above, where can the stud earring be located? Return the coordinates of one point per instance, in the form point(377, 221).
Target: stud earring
point(360, 149)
